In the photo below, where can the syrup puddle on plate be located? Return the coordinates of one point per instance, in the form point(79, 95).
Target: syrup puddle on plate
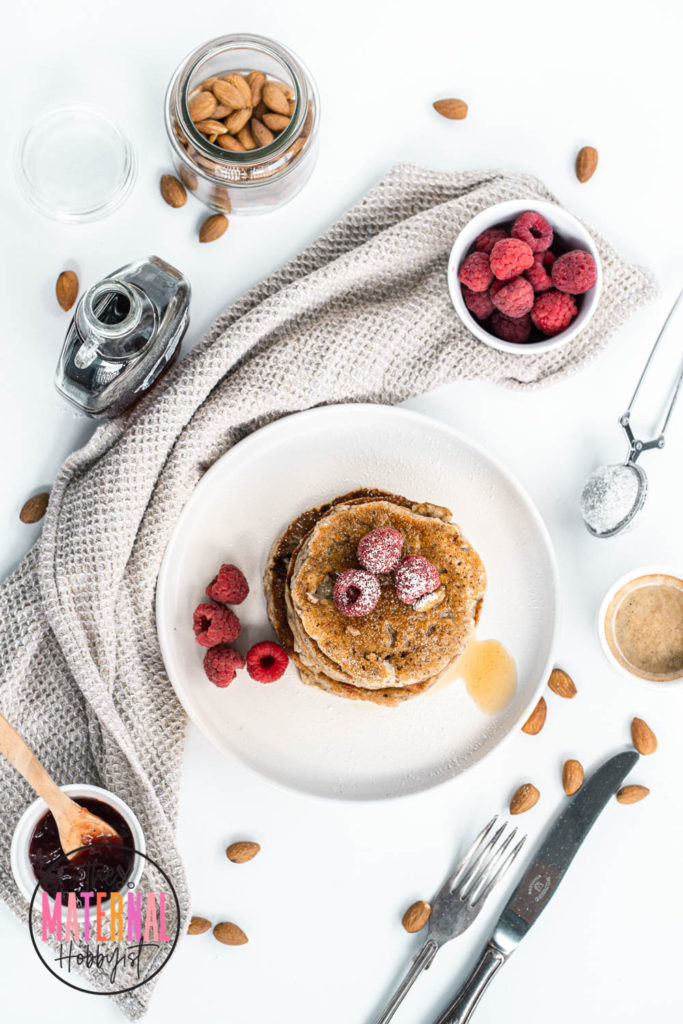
point(489, 673)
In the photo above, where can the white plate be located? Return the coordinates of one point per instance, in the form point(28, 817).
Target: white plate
point(296, 734)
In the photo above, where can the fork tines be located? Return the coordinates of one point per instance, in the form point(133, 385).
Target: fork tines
point(485, 863)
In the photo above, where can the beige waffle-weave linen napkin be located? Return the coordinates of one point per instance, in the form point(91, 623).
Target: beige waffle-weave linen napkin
point(363, 314)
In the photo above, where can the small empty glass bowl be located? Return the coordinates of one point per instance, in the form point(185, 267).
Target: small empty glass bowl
point(75, 164)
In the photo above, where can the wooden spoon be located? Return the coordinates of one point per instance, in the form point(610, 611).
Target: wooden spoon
point(77, 826)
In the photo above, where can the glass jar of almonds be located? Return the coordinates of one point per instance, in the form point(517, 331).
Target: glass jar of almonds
point(242, 119)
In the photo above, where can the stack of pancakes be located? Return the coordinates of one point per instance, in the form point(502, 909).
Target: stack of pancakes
point(397, 651)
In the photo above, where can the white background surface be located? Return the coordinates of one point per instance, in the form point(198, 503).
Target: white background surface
point(323, 901)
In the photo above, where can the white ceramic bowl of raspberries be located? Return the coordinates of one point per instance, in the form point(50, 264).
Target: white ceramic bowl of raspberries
point(525, 276)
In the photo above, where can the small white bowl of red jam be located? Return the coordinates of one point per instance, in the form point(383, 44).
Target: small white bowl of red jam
point(37, 859)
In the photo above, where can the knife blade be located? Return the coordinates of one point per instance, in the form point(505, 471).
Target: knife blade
point(541, 879)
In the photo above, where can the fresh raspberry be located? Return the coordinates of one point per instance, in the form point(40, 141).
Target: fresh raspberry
point(553, 312)
point(266, 661)
point(356, 592)
point(510, 257)
point(487, 239)
point(509, 329)
point(229, 587)
point(538, 276)
point(213, 624)
point(548, 257)
point(221, 664)
point(575, 272)
point(533, 229)
point(475, 272)
point(415, 576)
point(380, 550)
point(478, 303)
point(515, 298)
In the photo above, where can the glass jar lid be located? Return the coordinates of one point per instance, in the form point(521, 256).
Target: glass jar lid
point(75, 164)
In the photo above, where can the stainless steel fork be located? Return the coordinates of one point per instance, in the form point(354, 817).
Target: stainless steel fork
point(460, 899)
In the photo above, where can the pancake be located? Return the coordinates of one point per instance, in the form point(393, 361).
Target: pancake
point(397, 651)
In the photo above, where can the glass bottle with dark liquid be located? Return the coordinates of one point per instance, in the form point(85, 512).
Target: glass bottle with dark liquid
point(126, 331)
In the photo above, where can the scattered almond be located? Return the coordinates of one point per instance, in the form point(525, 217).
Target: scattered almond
point(198, 925)
point(524, 798)
point(644, 740)
point(586, 163)
point(34, 509)
point(202, 105)
point(572, 777)
point(240, 853)
point(172, 191)
point(632, 794)
point(562, 684)
point(536, 719)
point(229, 934)
point(416, 916)
point(455, 110)
point(274, 98)
point(66, 289)
point(213, 227)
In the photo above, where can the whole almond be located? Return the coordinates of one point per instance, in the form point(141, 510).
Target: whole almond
point(275, 99)
point(524, 798)
point(228, 95)
point(213, 227)
point(644, 740)
point(286, 90)
point(276, 122)
point(586, 163)
point(562, 684)
point(201, 105)
point(455, 110)
point(172, 191)
point(536, 719)
point(246, 138)
point(242, 86)
point(228, 141)
point(256, 80)
point(632, 794)
point(229, 934)
point(198, 925)
point(237, 120)
point(572, 777)
point(241, 852)
point(416, 916)
point(34, 509)
point(211, 127)
point(66, 289)
point(259, 110)
point(208, 84)
point(221, 112)
point(262, 136)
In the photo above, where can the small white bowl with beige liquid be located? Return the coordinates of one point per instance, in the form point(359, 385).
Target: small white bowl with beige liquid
point(640, 625)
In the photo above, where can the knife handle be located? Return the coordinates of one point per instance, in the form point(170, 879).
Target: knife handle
point(459, 1011)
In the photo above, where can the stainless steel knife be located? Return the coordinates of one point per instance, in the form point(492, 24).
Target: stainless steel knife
point(540, 880)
